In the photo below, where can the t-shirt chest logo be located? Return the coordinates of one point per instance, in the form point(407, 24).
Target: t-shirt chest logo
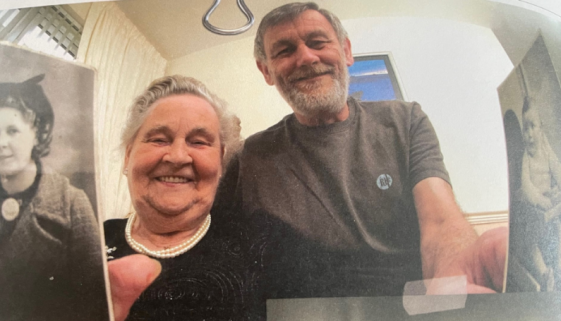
point(384, 181)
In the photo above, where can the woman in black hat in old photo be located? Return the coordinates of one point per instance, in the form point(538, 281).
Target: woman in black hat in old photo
point(50, 253)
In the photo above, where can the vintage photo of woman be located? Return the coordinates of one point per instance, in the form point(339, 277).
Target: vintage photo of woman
point(50, 252)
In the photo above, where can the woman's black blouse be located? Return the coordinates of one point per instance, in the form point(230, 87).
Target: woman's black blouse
point(218, 279)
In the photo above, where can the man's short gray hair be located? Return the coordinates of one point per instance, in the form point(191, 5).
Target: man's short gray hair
point(179, 85)
point(289, 12)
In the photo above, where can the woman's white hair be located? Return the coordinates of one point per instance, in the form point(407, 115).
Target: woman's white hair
point(179, 85)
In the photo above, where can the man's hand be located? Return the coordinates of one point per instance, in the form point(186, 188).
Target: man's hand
point(450, 246)
point(483, 263)
point(129, 276)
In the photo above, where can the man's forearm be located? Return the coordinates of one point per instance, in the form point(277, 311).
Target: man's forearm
point(449, 244)
point(444, 230)
point(440, 246)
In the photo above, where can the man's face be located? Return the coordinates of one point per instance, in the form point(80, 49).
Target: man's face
point(307, 64)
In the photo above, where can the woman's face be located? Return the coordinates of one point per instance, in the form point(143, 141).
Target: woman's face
point(17, 138)
point(175, 161)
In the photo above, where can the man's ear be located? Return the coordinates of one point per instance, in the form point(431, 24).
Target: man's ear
point(265, 71)
point(348, 52)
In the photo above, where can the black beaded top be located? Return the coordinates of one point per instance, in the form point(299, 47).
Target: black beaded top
point(218, 279)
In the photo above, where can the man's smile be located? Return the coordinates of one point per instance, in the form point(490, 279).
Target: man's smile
point(310, 73)
point(311, 77)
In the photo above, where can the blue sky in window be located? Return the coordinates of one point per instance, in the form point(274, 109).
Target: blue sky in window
point(370, 81)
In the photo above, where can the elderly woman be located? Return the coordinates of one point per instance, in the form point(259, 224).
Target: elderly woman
point(51, 266)
point(174, 142)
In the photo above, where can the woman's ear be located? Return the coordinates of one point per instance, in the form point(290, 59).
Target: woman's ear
point(36, 141)
point(35, 144)
point(126, 163)
point(223, 151)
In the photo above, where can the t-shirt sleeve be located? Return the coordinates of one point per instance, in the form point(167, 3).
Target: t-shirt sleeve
point(425, 157)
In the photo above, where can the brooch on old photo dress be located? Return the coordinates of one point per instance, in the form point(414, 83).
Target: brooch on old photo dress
point(10, 209)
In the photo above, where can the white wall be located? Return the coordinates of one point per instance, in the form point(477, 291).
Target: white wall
point(78, 11)
point(517, 29)
point(229, 70)
point(451, 68)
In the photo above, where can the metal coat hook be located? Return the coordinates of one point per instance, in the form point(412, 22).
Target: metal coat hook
point(226, 32)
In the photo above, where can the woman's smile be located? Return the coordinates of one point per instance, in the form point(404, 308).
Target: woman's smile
point(174, 179)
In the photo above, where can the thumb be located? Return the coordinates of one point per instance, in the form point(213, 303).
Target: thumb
point(493, 247)
point(128, 277)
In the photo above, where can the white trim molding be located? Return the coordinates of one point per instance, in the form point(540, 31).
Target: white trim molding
point(487, 217)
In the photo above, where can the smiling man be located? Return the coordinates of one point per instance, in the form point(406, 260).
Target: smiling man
point(355, 194)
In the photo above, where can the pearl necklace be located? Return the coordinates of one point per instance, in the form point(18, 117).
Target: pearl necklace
point(171, 252)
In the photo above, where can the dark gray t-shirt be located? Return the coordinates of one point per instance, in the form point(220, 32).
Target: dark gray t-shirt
point(345, 188)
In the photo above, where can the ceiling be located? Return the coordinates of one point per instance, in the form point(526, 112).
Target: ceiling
point(175, 27)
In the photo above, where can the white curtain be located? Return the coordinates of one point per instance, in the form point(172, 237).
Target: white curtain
point(126, 63)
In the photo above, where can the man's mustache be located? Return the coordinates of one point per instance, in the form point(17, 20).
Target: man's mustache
point(305, 72)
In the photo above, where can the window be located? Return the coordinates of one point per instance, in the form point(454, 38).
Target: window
point(373, 79)
point(47, 29)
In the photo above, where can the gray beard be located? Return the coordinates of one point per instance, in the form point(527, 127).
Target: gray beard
point(310, 104)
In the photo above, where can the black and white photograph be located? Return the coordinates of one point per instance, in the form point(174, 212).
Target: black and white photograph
point(531, 105)
point(50, 246)
point(264, 172)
